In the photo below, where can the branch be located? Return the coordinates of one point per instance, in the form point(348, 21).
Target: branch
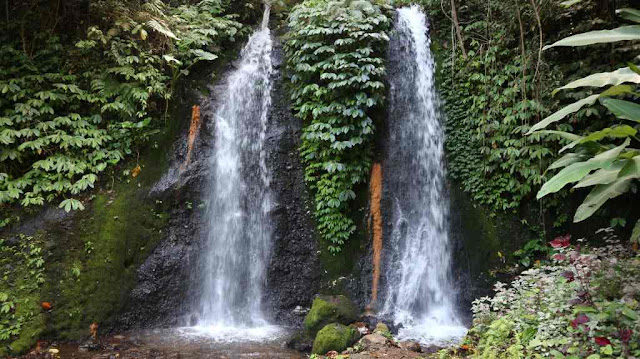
point(456, 23)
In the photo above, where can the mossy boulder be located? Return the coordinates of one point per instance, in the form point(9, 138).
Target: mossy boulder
point(382, 329)
point(334, 336)
point(329, 309)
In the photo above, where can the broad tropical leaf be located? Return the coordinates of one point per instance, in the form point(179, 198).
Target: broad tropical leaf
point(631, 170)
point(629, 14)
point(577, 171)
point(566, 135)
point(623, 33)
point(622, 109)
point(566, 160)
point(598, 197)
point(603, 79)
point(623, 131)
point(564, 112)
point(602, 176)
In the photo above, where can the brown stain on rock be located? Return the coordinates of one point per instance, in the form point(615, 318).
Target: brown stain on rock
point(375, 190)
point(193, 133)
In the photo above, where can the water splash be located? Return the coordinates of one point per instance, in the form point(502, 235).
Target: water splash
point(239, 232)
point(419, 291)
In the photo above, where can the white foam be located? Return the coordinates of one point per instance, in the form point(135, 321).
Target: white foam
point(232, 334)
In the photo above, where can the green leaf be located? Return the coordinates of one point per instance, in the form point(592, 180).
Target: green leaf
point(570, 3)
point(171, 59)
point(562, 113)
point(625, 110)
point(71, 204)
point(602, 176)
point(623, 33)
point(629, 14)
point(154, 24)
point(635, 234)
point(629, 313)
point(204, 55)
point(603, 79)
point(623, 131)
point(566, 135)
point(566, 160)
point(577, 171)
point(599, 196)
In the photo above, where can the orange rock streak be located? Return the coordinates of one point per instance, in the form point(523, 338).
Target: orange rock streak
point(193, 133)
point(375, 189)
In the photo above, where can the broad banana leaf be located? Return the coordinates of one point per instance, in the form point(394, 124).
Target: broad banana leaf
point(623, 33)
point(577, 171)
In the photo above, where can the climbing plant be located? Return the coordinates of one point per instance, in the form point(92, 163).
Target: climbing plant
point(336, 56)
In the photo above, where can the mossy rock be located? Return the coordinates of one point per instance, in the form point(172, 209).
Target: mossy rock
point(334, 336)
point(329, 309)
point(382, 329)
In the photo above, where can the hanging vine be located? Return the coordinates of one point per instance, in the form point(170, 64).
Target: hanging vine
point(336, 55)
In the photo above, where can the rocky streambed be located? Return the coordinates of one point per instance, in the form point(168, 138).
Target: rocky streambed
point(333, 328)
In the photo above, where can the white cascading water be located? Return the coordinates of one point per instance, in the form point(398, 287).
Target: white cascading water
point(420, 294)
point(239, 233)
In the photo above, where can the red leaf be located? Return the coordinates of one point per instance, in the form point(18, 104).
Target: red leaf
point(561, 242)
point(580, 319)
point(602, 341)
point(625, 335)
point(569, 275)
point(559, 257)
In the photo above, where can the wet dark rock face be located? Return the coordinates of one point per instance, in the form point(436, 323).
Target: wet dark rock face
point(294, 273)
point(168, 281)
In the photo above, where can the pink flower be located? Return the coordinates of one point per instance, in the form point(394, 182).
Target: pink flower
point(561, 242)
point(602, 341)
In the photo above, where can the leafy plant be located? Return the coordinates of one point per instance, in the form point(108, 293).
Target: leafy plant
point(65, 119)
point(582, 305)
point(603, 159)
point(336, 54)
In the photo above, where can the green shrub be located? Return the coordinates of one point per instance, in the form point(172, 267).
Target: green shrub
point(563, 310)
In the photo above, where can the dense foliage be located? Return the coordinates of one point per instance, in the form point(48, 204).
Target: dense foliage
point(603, 159)
point(496, 83)
point(582, 304)
point(336, 54)
point(69, 113)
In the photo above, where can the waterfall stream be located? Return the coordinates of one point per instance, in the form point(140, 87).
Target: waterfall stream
point(420, 295)
point(237, 251)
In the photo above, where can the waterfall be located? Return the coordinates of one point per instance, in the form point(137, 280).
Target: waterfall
point(420, 295)
point(237, 251)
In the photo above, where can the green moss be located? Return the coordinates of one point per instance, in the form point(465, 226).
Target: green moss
point(329, 309)
point(334, 336)
point(30, 332)
point(382, 329)
point(97, 260)
point(22, 275)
